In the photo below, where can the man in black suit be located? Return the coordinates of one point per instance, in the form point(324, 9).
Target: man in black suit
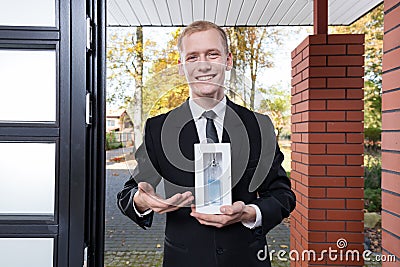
point(261, 192)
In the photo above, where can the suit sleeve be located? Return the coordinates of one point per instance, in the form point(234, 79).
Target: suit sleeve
point(276, 199)
point(145, 171)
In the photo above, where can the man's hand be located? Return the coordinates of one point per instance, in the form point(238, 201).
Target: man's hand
point(146, 198)
point(238, 212)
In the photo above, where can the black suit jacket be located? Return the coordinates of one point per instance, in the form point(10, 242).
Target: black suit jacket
point(168, 153)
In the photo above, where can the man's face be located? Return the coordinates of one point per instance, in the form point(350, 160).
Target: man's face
point(204, 61)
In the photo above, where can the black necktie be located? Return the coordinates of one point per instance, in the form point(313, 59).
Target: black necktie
point(211, 131)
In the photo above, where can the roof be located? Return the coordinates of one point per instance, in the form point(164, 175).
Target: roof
point(232, 12)
point(115, 113)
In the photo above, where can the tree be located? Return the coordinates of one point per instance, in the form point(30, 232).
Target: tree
point(236, 42)
point(136, 104)
point(170, 100)
point(252, 49)
point(165, 89)
point(125, 56)
point(277, 106)
point(372, 26)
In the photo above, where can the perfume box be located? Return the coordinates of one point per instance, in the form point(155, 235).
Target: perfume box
point(212, 177)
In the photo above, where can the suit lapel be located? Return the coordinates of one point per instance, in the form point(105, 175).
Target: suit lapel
point(185, 129)
point(187, 138)
point(234, 130)
point(236, 134)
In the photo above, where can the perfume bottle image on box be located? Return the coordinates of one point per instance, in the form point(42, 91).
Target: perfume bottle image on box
point(212, 183)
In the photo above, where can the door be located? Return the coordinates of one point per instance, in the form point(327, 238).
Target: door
point(50, 139)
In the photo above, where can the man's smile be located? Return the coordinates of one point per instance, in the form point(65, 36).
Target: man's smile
point(205, 77)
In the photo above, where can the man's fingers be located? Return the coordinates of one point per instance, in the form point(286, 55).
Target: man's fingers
point(187, 199)
point(184, 203)
point(160, 205)
point(179, 199)
point(226, 210)
point(212, 220)
point(217, 220)
point(236, 207)
point(175, 199)
point(170, 208)
point(156, 203)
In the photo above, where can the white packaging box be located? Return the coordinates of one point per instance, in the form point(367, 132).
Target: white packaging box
point(212, 177)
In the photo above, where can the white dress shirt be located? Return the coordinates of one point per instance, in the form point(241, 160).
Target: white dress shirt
point(201, 122)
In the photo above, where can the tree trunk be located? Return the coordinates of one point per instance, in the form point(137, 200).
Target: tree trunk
point(137, 106)
point(233, 83)
point(278, 133)
point(252, 93)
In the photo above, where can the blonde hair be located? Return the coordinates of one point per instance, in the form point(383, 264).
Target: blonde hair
point(200, 26)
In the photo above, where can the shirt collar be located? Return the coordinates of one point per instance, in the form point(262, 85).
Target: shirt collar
point(197, 110)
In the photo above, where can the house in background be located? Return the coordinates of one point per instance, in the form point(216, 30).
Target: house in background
point(119, 122)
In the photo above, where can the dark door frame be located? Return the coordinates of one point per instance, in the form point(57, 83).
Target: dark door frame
point(96, 86)
point(67, 132)
point(78, 220)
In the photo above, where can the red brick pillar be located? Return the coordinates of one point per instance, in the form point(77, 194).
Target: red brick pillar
point(391, 133)
point(327, 145)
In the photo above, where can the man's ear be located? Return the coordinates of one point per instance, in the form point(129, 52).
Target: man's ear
point(229, 62)
point(180, 68)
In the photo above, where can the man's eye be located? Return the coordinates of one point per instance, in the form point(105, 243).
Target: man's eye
point(191, 58)
point(213, 55)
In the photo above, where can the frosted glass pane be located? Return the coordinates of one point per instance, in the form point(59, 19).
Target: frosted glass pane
point(26, 252)
point(27, 178)
point(27, 85)
point(28, 13)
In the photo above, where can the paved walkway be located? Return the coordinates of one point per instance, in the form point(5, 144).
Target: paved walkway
point(126, 244)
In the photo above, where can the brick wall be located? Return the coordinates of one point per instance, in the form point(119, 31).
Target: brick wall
point(327, 144)
point(391, 133)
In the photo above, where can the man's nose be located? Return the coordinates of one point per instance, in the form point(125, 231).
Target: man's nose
point(204, 65)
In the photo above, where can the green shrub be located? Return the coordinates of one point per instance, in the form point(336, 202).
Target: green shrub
point(111, 141)
point(372, 199)
point(372, 134)
point(372, 180)
point(372, 171)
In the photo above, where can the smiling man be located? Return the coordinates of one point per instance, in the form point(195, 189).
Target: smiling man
point(234, 237)
point(204, 59)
